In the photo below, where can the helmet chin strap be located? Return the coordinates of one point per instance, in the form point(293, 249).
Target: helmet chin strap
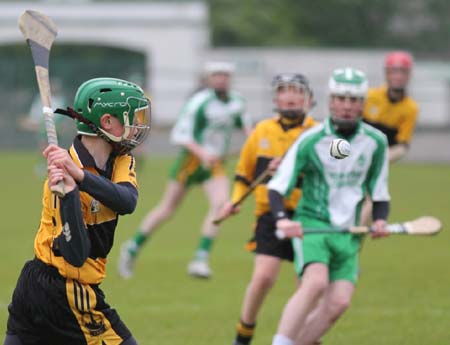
point(114, 141)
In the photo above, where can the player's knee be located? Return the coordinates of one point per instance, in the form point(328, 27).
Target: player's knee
point(337, 306)
point(316, 283)
point(165, 211)
point(263, 281)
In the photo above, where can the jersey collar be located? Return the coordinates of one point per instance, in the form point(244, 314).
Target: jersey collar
point(80, 154)
point(329, 129)
point(83, 158)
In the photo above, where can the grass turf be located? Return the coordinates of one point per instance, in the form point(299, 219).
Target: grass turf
point(401, 298)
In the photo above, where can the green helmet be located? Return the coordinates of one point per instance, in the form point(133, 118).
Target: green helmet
point(348, 82)
point(122, 99)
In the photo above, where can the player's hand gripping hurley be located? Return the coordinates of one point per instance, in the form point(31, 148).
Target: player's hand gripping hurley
point(40, 32)
point(249, 191)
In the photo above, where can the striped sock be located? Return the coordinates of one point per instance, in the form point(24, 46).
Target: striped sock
point(244, 333)
point(203, 248)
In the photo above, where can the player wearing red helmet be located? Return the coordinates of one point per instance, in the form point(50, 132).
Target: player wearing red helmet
point(389, 108)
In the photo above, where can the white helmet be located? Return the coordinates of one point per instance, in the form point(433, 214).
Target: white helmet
point(212, 67)
point(348, 82)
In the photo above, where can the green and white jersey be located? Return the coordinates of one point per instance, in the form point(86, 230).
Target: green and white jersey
point(333, 190)
point(209, 121)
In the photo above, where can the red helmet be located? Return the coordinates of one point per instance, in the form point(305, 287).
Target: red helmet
point(400, 59)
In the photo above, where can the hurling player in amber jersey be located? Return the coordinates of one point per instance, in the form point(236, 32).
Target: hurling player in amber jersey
point(390, 109)
point(268, 142)
point(57, 299)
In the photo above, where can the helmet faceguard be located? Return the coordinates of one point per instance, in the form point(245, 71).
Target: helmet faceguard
point(351, 83)
point(119, 98)
point(298, 81)
point(136, 123)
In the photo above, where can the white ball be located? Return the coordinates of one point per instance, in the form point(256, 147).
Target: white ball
point(340, 148)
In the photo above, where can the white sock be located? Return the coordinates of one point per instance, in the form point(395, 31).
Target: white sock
point(279, 339)
point(201, 255)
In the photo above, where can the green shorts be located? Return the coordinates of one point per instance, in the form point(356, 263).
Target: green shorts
point(188, 169)
point(338, 251)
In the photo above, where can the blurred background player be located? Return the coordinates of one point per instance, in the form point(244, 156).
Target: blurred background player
point(263, 149)
point(390, 109)
point(57, 299)
point(203, 131)
point(332, 193)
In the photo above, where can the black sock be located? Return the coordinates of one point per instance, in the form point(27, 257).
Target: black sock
point(244, 333)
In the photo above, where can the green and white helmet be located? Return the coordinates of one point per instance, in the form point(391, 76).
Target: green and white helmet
point(348, 82)
point(122, 99)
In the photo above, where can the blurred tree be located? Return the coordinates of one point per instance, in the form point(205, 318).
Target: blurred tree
point(419, 25)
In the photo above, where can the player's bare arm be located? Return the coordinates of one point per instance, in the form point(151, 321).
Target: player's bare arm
point(228, 209)
point(273, 165)
point(397, 152)
point(206, 158)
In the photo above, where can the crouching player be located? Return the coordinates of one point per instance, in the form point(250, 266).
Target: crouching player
point(333, 191)
point(263, 149)
point(57, 299)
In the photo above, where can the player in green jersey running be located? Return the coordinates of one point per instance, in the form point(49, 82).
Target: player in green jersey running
point(203, 131)
point(333, 192)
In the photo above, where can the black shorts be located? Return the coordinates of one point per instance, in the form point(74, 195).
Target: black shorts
point(48, 309)
point(265, 242)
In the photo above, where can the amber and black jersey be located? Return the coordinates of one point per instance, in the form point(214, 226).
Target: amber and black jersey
point(103, 195)
point(270, 139)
point(397, 120)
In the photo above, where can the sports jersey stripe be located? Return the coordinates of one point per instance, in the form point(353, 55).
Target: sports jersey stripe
point(131, 162)
point(74, 154)
point(284, 178)
point(379, 136)
point(197, 101)
point(183, 131)
point(242, 179)
point(378, 188)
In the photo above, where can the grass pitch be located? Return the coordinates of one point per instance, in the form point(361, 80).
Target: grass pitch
point(401, 298)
